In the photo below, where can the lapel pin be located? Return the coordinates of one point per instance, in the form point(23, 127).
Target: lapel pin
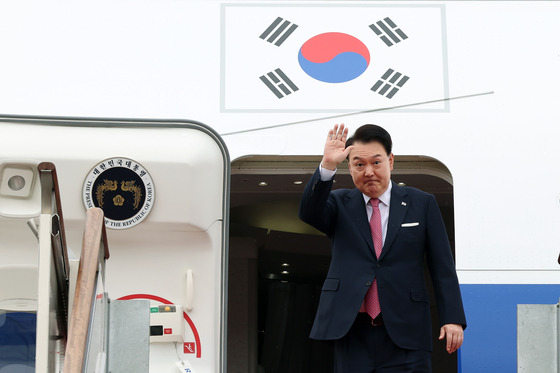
point(403, 203)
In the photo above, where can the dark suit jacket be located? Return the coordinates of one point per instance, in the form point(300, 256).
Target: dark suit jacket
point(415, 231)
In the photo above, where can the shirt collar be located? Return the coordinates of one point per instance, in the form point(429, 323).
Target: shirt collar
point(385, 197)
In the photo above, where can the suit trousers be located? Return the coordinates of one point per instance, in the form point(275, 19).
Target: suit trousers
point(369, 349)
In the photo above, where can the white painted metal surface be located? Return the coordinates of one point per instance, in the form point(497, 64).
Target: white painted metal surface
point(183, 238)
point(537, 338)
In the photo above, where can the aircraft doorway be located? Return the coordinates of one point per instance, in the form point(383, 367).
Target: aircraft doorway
point(277, 264)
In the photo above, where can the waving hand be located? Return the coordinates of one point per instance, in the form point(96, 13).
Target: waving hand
point(335, 152)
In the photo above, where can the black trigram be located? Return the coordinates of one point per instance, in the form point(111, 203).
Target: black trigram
point(279, 83)
point(387, 27)
point(391, 81)
point(277, 33)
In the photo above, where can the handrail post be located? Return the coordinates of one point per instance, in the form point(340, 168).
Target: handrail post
point(53, 273)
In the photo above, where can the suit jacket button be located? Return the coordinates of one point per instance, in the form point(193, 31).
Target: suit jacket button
point(368, 283)
point(378, 265)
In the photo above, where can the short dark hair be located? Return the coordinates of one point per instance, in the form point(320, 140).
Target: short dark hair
point(371, 133)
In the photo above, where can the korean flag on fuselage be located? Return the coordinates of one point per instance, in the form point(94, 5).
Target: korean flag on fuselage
point(332, 57)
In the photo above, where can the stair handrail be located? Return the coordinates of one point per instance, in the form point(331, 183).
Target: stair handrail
point(94, 253)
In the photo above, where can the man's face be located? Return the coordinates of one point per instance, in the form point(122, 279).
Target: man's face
point(370, 167)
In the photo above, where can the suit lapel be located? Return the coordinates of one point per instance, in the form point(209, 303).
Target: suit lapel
point(399, 205)
point(356, 206)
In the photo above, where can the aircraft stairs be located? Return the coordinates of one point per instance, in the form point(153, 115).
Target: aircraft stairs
point(56, 316)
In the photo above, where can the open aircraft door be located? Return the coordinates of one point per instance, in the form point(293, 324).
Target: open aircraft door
point(164, 189)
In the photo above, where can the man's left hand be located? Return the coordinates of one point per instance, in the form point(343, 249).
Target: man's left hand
point(454, 334)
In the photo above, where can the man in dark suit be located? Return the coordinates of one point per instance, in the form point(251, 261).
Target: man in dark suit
point(374, 303)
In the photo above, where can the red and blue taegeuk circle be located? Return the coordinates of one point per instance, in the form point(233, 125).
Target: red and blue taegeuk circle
point(334, 57)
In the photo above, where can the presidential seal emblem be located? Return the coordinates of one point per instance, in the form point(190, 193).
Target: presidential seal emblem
point(123, 189)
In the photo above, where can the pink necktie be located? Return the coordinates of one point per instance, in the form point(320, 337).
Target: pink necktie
point(372, 297)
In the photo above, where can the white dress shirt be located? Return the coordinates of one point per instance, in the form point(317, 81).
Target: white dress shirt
point(384, 200)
